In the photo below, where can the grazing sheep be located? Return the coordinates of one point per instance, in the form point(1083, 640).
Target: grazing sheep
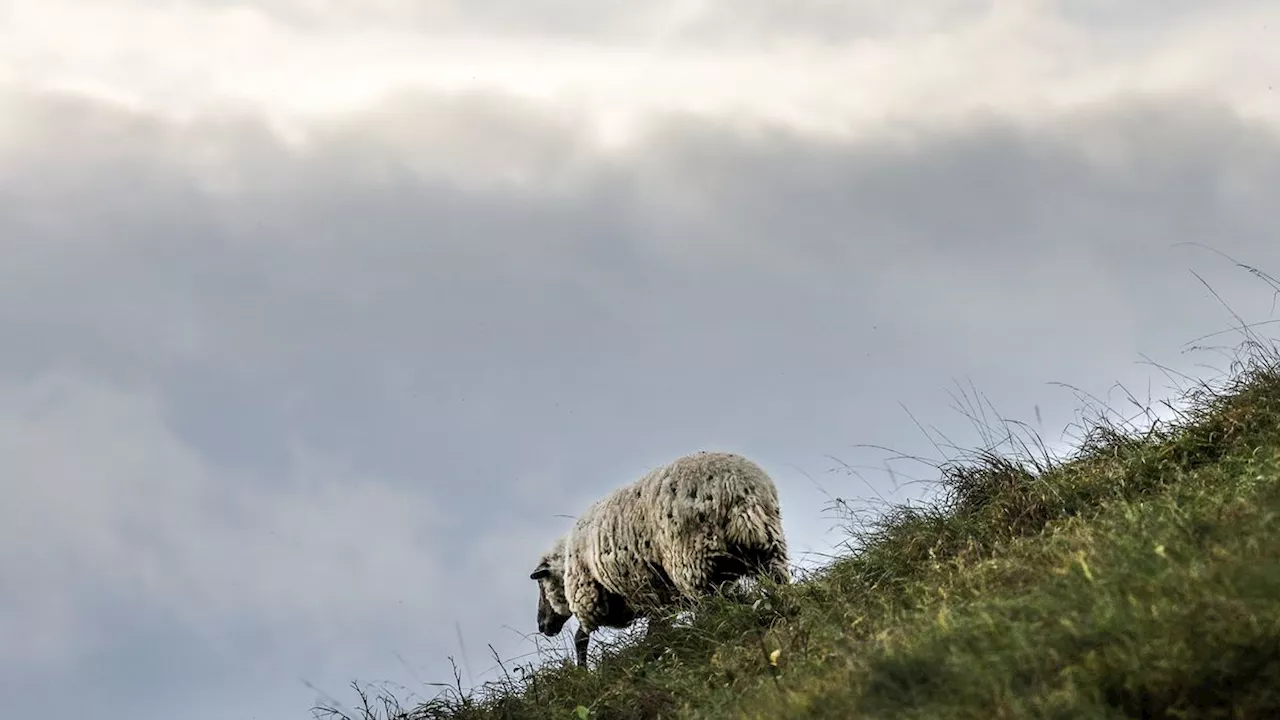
point(682, 530)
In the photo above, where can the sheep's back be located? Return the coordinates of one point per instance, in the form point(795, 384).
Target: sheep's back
point(697, 499)
point(633, 536)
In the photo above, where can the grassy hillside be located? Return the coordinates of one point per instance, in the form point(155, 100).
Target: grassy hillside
point(1138, 578)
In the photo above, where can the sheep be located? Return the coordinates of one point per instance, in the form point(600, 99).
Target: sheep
point(682, 530)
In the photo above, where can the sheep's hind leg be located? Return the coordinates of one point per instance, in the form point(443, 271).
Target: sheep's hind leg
point(696, 578)
point(656, 625)
point(779, 570)
point(659, 626)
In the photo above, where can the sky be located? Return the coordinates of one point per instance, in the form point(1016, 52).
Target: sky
point(322, 319)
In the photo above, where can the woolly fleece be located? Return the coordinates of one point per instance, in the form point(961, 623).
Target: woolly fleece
point(681, 529)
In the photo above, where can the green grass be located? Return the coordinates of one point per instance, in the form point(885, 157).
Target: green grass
point(1139, 577)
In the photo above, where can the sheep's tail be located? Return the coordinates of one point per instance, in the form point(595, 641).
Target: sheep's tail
point(777, 566)
point(757, 527)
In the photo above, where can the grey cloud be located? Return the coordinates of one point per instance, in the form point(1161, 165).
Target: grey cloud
point(121, 506)
point(573, 18)
point(128, 561)
point(822, 20)
point(708, 24)
point(368, 334)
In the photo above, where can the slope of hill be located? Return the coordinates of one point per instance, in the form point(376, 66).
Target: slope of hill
point(1139, 577)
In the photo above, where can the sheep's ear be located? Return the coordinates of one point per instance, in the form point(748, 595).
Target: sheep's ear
point(540, 572)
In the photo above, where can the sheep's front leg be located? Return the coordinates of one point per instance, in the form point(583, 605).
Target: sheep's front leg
point(580, 640)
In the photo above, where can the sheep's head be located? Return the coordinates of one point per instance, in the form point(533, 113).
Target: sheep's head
point(553, 604)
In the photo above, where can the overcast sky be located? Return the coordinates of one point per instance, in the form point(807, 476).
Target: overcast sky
point(319, 318)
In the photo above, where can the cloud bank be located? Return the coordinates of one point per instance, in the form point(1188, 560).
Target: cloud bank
point(319, 319)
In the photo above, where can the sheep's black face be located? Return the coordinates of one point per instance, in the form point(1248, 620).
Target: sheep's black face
point(553, 606)
point(550, 622)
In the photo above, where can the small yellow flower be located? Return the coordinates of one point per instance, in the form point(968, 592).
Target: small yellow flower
point(773, 657)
